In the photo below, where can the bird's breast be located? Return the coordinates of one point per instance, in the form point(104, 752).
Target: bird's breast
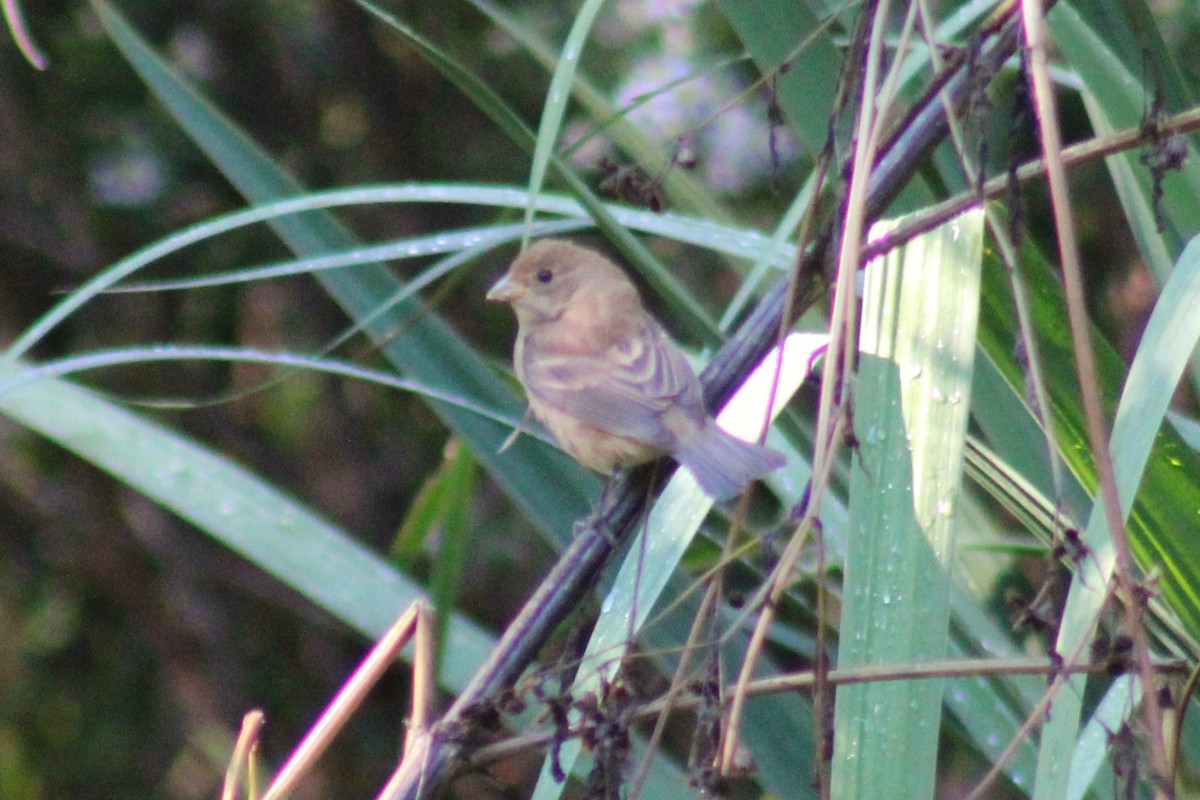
point(592, 446)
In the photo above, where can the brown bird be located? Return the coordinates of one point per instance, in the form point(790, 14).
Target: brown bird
point(602, 375)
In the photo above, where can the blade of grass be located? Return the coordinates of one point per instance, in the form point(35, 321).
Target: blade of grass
point(160, 353)
point(555, 106)
point(1090, 764)
point(911, 398)
point(454, 542)
point(703, 233)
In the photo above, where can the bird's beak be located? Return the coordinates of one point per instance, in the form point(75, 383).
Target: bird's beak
point(505, 290)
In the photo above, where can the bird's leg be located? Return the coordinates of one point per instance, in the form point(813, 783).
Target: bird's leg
point(606, 493)
point(599, 510)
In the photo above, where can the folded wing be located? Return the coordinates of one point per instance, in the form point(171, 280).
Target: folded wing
point(625, 389)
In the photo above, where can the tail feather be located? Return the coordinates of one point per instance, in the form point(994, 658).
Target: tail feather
point(723, 464)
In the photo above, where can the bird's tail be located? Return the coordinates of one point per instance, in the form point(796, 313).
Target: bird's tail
point(723, 464)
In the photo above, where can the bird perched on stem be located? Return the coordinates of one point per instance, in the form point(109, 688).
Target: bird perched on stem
point(603, 377)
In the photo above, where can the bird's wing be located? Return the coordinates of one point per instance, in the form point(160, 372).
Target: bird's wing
point(624, 389)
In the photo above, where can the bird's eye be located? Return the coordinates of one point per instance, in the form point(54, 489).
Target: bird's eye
point(545, 276)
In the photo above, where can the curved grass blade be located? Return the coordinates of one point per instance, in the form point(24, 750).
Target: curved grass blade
point(703, 233)
point(84, 362)
point(555, 107)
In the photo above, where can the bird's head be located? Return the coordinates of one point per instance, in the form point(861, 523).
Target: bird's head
point(552, 274)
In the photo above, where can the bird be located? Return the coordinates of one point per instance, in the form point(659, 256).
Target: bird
point(605, 379)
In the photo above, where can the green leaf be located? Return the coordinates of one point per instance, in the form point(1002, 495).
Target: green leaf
point(557, 97)
point(911, 395)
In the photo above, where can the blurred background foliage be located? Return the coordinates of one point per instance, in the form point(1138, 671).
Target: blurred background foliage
point(132, 644)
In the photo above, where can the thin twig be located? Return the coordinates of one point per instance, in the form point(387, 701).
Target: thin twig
point(348, 699)
point(926, 220)
point(243, 754)
point(968, 668)
point(1069, 665)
